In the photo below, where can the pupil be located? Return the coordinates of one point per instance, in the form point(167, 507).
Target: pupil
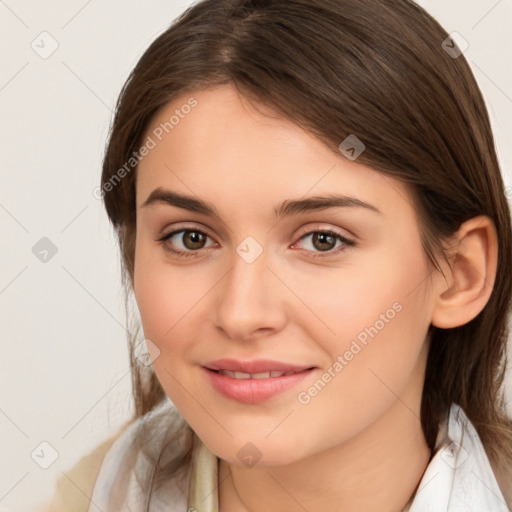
point(323, 241)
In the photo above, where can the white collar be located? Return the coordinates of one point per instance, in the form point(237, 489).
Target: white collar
point(459, 478)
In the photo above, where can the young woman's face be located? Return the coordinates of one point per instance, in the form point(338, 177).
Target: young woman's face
point(265, 260)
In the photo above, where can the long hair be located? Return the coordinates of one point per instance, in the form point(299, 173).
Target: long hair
point(380, 70)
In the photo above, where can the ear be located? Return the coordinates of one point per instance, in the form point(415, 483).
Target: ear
point(470, 279)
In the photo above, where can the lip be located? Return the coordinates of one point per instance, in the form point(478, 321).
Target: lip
point(255, 391)
point(257, 366)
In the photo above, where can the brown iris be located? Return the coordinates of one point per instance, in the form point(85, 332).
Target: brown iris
point(324, 241)
point(193, 240)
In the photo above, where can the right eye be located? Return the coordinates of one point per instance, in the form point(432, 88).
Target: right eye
point(185, 242)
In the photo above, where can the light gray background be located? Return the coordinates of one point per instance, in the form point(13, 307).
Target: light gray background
point(64, 375)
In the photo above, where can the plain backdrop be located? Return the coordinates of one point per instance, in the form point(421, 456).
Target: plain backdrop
point(64, 375)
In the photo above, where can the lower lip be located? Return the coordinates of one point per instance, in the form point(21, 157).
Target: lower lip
point(254, 391)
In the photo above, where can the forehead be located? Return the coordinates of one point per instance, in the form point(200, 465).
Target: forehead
point(225, 146)
point(225, 126)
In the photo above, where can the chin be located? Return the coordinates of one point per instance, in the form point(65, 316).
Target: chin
point(259, 453)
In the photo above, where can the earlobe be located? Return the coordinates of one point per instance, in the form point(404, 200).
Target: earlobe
point(470, 279)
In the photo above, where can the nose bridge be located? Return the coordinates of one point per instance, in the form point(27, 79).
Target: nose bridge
point(247, 302)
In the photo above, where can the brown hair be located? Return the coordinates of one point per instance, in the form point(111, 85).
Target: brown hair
point(340, 67)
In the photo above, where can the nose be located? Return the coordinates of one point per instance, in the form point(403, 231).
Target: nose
point(249, 301)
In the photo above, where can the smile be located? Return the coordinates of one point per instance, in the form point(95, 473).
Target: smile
point(254, 388)
point(261, 375)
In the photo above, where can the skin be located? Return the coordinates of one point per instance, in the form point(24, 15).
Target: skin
point(358, 443)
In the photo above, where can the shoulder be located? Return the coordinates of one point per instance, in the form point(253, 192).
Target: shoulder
point(74, 488)
point(148, 461)
point(459, 476)
point(491, 474)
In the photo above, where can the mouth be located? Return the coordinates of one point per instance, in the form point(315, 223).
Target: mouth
point(259, 375)
point(254, 388)
point(258, 368)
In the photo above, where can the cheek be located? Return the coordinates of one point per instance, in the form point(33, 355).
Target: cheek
point(173, 306)
point(164, 300)
point(382, 289)
point(163, 293)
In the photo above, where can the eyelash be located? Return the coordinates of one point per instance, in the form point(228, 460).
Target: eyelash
point(315, 254)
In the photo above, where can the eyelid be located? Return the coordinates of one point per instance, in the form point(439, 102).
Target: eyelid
point(345, 233)
point(186, 227)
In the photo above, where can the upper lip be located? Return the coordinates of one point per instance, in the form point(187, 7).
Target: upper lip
point(257, 366)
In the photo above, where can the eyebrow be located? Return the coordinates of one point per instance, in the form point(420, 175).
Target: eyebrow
point(285, 209)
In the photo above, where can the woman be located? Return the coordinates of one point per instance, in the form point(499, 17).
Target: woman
point(313, 223)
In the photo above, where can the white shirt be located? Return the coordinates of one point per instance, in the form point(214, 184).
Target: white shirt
point(459, 477)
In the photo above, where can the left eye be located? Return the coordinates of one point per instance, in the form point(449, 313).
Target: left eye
point(324, 241)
